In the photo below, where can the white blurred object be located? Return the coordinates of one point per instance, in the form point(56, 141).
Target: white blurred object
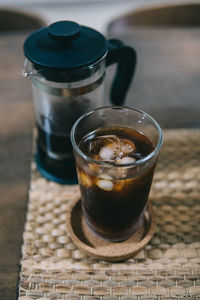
point(93, 13)
point(105, 185)
point(107, 153)
point(126, 160)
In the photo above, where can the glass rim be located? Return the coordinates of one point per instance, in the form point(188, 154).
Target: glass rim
point(107, 163)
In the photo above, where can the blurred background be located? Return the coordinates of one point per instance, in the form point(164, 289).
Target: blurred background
point(165, 35)
point(94, 13)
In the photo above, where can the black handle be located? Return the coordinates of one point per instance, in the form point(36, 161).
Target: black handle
point(125, 57)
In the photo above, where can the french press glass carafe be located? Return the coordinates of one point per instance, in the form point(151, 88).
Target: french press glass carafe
point(67, 63)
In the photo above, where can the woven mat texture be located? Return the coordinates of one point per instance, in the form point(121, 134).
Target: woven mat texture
point(167, 268)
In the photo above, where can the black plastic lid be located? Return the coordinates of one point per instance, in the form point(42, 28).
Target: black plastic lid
point(65, 45)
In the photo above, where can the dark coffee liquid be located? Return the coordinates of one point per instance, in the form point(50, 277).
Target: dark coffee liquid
point(114, 208)
point(55, 157)
point(58, 147)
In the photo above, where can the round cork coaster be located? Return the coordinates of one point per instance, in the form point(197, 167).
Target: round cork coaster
point(100, 248)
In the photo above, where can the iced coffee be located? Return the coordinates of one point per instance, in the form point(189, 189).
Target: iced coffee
point(115, 173)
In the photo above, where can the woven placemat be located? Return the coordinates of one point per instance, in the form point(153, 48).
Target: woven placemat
point(167, 268)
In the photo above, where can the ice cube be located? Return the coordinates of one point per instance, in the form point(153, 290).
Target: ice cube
point(111, 148)
point(103, 175)
point(127, 146)
point(94, 168)
point(117, 173)
point(84, 179)
point(126, 160)
point(105, 185)
point(107, 153)
point(101, 141)
point(115, 150)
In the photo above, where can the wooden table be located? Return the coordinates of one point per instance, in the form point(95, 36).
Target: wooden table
point(16, 122)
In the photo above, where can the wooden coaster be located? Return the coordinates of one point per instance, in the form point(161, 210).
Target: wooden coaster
point(100, 248)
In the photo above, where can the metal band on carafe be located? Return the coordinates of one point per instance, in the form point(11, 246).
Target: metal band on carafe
point(67, 92)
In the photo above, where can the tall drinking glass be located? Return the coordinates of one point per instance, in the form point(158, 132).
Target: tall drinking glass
point(116, 151)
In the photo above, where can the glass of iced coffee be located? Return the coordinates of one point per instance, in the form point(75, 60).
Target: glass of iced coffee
point(116, 151)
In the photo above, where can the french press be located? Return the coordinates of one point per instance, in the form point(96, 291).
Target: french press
point(67, 63)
